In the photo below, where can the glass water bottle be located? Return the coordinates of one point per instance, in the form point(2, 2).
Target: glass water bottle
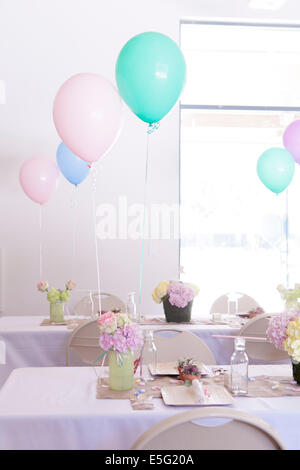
point(131, 307)
point(239, 368)
point(148, 354)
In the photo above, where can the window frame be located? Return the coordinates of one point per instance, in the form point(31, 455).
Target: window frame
point(231, 22)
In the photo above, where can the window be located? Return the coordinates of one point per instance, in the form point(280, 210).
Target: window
point(242, 91)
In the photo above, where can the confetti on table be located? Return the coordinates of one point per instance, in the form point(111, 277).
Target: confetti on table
point(294, 389)
point(275, 387)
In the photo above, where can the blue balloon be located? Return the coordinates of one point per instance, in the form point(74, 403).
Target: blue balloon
point(72, 167)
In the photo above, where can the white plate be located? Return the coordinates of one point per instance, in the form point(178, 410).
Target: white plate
point(180, 395)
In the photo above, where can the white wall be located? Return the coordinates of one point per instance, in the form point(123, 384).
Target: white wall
point(42, 43)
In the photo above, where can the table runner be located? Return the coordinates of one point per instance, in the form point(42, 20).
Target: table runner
point(70, 323)
point(162, 321)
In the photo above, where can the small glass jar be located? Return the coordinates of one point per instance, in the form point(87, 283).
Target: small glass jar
point(148, 354)
point(57, 313)
point(121, 370)
point(131, 307)
point(239, 368)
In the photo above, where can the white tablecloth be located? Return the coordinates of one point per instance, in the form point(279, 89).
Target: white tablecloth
point(30, 345)
point(56, 408)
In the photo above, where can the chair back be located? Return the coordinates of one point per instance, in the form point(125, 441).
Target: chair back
point(240, 431)
point(171, 348)
point(87, 306)
point(265, 351)
point(244, 304)
point(84, 340)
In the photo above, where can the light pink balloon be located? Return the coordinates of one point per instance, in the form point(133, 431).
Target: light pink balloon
point(39, 178)
point(87, 114)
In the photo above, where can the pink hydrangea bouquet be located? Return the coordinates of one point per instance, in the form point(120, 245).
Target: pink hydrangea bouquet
point(178, 293)
point(284, 332)
point(177, 298)
point(119, 333)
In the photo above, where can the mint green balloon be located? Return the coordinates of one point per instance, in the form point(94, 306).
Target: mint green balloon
point(150, 74)
point(276, 168)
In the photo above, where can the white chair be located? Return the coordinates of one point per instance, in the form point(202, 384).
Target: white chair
point(233, 302)
point(264, 351)
point(241, 431)
point(183, 343)
point(89, 304)
point(84, 340)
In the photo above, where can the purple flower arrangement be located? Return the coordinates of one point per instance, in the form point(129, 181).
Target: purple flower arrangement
point(277, 329)
point(178, 293)
point(118, 333)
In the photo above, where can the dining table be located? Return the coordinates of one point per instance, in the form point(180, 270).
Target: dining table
point(56, 408)
point(30, 343)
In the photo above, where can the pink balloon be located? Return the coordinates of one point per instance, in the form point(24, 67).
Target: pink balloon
point(39, 178)
point(291, 139)
point(87, 114)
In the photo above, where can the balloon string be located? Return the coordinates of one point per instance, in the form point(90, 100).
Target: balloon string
point(74, 205)
point(41, 243)
point(94, 187)
point(287, 238)
point(149, 131)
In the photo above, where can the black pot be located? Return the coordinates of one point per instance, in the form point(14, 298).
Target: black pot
point(176, 314)
point(296, 371)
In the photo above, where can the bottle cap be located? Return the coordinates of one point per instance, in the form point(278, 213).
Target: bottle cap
point(239, 342)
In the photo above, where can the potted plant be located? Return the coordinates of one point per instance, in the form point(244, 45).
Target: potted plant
point(177, 298)
point(119, 337)
point(291, 297)
point(284, 332)
point(57, 299)
point(188, 369)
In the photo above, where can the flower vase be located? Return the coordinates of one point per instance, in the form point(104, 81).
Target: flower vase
point(296, 371)
point(177, 314)
point(189, 377)
point(57, 312)
point(121, 370)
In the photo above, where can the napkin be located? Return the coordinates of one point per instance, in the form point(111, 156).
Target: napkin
point(198, 391)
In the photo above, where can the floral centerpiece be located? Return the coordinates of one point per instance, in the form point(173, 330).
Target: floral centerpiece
point(57, 299)
point(120, 337)
point(284, 332)
point(188, 369)
point(291, 297)
point(177, 298)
